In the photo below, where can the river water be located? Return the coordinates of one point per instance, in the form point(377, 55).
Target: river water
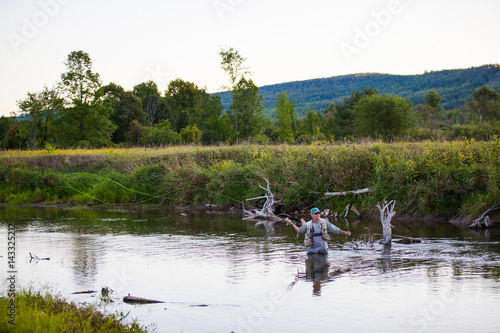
point(220, 274)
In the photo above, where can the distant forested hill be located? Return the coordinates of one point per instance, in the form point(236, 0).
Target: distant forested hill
point(455, 86)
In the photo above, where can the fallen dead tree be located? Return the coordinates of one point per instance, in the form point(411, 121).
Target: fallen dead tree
point(484, 221)
point(344, 193)
point(267, 211)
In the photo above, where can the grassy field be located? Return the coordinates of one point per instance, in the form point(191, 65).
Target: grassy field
point(37, 312)
point(431, 179)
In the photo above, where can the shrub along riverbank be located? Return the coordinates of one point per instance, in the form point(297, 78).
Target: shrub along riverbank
point(428, 179)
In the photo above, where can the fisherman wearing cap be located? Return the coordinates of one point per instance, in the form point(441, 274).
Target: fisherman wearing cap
point(316, 232)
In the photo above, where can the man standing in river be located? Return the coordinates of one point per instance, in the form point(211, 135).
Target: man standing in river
point(316, 232)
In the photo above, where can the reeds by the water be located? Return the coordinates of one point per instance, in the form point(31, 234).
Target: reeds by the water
point(426, 178)
point(43, 312)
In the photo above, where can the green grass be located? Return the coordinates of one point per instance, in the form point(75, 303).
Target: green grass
point(427, 178)
point(37, 312)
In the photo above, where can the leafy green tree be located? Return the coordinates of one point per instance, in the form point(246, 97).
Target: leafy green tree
point(136, 133)
point(5, 126)
point(309, 127)
point(126, 108)
point(80, 83)
point(286, 122)
point(17, 136)
point(7, 132)
point(433, 99)
point(232, 63)
point(86, 121)
point(186, 102)
point(230, 134)
point(39, 109)
point(246, 109)
point(383, 116)
point(161, 134)
point(485, 104)
point(426, 115)
point(241, 88)
point(344, 117)
point(328, 124)
point(213, 127)
point(190, 135)
point(312, 123)
point(150, 97)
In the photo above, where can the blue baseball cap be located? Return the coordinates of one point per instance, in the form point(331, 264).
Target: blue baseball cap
point(314, 210)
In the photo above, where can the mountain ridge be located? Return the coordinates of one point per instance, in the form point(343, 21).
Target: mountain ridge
point(455, 86)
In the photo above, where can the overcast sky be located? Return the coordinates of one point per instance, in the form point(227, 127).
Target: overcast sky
point(131, 42)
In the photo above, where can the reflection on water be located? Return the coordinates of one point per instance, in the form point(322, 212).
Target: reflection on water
point(386, 258)
point(84, 259)
point(221, 274)
point(317, 270)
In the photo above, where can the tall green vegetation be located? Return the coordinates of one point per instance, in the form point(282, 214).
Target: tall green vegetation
point(37, 312)
point(427, 178)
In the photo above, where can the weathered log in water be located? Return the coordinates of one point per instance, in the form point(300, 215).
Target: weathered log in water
point(386, 214)
point(408, 240)
point(139, 300)
point(84, 292)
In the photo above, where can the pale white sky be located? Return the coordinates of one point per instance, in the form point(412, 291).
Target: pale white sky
point(131, 42)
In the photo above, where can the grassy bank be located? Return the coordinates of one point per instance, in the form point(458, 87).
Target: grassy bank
point(36, 312)
point(439, 179)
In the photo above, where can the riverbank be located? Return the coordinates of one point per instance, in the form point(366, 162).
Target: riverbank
point(36, 312)
point(447, 180)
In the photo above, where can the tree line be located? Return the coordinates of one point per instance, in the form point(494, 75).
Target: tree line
point(79, 111)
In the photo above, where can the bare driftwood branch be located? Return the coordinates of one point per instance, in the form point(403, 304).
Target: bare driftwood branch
point(484, 221)
point(346, 211)
point(267, 211)
point(342, 194)
point(386, 214)
point(35, 257)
